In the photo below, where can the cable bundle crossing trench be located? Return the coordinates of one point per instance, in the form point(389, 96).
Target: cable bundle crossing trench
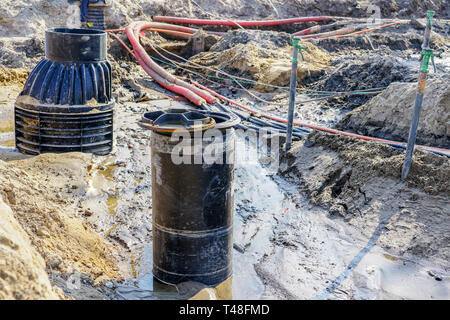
point(203, 97)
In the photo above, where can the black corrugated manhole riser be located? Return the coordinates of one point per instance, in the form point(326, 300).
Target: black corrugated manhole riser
point(66, 104)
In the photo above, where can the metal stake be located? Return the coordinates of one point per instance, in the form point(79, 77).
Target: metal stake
point(427, 55)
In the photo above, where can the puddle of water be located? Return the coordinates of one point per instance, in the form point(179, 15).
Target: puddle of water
point(391, 257)
point(254, 186)
point(111, 202)
point(107, 171)
point(101, 180)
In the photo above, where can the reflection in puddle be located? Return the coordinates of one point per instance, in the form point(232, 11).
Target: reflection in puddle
point(146, 287)
point(108, 232)
point(391, 257)
point(101, 180)
point(111, 202)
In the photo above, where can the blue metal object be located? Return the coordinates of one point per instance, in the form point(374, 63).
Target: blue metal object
point(84, 8)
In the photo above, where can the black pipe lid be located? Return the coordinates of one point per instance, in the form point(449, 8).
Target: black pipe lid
point(75, 45)
point(168, 121)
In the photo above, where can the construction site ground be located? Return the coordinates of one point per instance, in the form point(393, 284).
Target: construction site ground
point(334, 222)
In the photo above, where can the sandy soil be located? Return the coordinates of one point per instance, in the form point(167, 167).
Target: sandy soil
point(263, 56)
point(52, 217)
point(22, 272)
point(361, 182)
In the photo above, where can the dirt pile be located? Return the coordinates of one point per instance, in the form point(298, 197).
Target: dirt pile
point(361, 182)
point(50, 215)
point(23, 23)
point(352, 74)
point(389, 114)
point(263, 56)
point(22, 269)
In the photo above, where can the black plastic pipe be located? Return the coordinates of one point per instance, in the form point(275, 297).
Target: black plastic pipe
point(192, 203)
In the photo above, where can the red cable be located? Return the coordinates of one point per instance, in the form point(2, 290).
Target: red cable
point(191, 96)
point(369, 29)
point(161, 71)
point(239, 22)
point(343, 32)
point(121, 42)
point(303, 32)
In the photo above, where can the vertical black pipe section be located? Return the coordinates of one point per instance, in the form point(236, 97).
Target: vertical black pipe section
point(193, 208)
point(66, 104)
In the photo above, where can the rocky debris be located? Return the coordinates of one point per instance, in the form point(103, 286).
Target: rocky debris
point(263, 56)
point(389, 114)
point(270, 40)
point(359, 73)
point(361, 182)
point(22, 269)
point(31, 18)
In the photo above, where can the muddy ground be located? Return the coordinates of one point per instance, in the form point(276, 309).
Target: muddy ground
point(334, 222)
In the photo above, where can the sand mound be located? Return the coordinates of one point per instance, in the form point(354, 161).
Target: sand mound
point(263, 56)
point(389, 114)
point(22, 269)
